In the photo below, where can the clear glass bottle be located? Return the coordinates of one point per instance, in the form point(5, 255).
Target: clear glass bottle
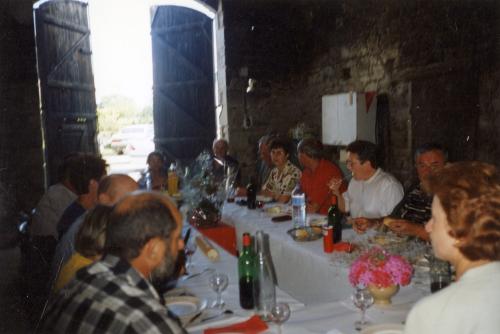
point(264, 290)
point(172, 180)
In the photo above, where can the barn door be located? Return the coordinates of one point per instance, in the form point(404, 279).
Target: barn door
point(66, 80)
point(183, 92)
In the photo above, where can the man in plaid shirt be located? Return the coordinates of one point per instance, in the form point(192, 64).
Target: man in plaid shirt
point(114, 295)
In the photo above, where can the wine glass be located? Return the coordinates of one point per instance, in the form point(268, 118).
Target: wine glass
point(189, 249)
point(218, 282)
point(280, 313)
point(362, 299)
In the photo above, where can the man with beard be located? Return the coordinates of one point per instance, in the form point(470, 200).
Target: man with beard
point(115, 294)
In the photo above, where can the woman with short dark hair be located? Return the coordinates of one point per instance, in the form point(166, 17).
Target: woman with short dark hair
point(284, 176)
point(464, 230)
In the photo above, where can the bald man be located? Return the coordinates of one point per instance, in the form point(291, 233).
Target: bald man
point(110, 190)
point(222, 161)
point(114, 294)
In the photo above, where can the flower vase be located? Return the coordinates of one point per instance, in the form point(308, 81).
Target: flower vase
point(383, 295)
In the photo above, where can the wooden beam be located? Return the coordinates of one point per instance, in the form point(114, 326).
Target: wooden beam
point(47, 18)
point(70, 85)
point(183, 59)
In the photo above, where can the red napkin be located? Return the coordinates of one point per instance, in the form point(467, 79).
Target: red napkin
point(343, 247)
point(254, 325)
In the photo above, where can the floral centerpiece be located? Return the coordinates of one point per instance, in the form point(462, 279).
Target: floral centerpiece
point(379, 268)
point(381, 272)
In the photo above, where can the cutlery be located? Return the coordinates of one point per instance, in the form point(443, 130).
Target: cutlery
point(206, 270)
point(217, 315)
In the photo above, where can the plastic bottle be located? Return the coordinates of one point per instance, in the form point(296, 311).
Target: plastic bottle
point(264, 291)
point(335, 220)
point(298, 207)
point(172, 180)
point(246, 273)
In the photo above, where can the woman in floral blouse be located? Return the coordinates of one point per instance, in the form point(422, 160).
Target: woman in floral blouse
point(283, 177)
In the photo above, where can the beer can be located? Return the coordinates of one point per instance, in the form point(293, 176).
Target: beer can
point(327, 238)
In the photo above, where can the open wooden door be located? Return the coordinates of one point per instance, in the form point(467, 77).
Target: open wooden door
point(183, 92)
point(67, 90)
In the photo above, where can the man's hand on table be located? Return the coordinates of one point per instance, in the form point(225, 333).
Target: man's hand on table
point(406, 227)
point(361, 224)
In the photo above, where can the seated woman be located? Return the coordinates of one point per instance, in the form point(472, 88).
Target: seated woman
point(464, 230)
point(155, 176)
point(283, 177)
point(89, 244)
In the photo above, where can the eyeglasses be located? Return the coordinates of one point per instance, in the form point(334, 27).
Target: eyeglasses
point(432, 166)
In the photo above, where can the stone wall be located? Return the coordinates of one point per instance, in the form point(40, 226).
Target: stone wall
point(425, 56)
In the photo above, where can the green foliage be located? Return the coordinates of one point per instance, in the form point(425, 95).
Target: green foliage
point(116, 111)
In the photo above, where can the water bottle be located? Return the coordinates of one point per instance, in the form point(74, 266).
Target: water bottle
point(264, 290)
point(298, 207)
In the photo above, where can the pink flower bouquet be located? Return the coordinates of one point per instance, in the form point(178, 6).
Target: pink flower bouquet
point(377, 267)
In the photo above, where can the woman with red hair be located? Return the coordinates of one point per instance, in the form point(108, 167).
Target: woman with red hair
point(464, 230)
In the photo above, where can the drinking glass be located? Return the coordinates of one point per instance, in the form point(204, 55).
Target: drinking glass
point(189, 249)
point(218, 282)
point(362, 299)
point(280, 313)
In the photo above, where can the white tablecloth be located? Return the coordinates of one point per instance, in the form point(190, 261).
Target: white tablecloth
point(317, 291)
point(302, 268)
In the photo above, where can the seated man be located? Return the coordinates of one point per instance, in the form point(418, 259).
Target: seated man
point(111, 189)
point(284, 176)
point(223, 163)
point(316, 174)
point(414, 211)
point(114, 294)
point(53, 203)
point(84, 177)
point(264, 164)
point(372, 193)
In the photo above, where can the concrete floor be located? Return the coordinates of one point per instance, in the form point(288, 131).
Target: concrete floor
point(13, 315)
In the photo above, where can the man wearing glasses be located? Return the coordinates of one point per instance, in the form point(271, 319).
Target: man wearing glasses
point(414, 210)
point(372, 193)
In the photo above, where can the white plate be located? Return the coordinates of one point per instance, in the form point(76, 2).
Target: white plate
point(277, 210)
point(185, 307)
point(265, 199)
point(319, 221)
point(384, 329)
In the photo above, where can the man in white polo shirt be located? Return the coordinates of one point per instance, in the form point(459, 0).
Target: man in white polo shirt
point(372, 193)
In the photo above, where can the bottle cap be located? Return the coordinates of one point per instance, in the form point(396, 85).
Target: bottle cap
point(334, 199)
point(247, 240)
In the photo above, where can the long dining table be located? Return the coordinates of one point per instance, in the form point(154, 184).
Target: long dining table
point(316, 289)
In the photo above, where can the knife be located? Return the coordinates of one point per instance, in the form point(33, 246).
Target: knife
point(186, 237)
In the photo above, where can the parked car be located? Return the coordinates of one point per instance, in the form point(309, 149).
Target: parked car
point(140, 147)
point(129, 134)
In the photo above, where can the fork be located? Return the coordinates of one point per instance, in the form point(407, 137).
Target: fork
point(206, 270)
